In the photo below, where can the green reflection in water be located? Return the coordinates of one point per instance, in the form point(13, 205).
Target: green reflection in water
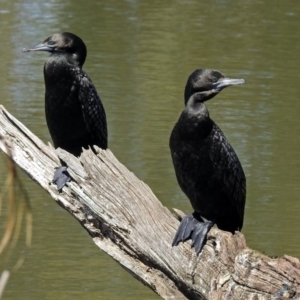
point(139, 57)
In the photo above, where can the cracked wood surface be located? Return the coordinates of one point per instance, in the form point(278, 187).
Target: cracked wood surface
point(126, 220)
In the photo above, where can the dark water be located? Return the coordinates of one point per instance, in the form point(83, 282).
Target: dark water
point(139, 57)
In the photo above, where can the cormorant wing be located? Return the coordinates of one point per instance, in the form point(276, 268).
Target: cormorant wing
point(229, 168)
point(92, 108)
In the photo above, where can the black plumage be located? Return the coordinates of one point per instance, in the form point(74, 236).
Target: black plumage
point(74, 112)
point(206, 166)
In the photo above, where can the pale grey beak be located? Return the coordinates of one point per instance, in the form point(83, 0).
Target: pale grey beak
point(40, 47)
point(223, 83)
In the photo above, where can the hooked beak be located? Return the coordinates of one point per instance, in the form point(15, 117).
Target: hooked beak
point(40, 47)
point(220, 85)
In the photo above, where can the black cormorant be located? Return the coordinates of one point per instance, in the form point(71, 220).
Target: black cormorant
point(206, 166)
point(74, 112)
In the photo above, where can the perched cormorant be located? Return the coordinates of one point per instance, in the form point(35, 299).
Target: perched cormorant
point(206, 166)
point(74, 112)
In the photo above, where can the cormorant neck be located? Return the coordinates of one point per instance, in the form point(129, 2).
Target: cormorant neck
point(196, 108)
point(200, 96)
point(75, 59)
point(196, 119)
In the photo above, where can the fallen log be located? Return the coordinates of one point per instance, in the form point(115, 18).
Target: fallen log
point(126, 220)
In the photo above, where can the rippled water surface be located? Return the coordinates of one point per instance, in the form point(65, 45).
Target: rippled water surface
point(139, 57)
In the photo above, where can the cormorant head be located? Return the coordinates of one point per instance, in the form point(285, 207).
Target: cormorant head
point(65, 43)
point(207, 84)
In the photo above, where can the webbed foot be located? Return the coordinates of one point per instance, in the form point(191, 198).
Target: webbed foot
point(194, 228)
point(199, 235)
point(61, 177)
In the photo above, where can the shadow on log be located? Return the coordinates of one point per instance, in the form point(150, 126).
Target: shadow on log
point(126, 220)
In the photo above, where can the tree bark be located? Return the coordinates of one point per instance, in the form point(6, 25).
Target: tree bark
point(126, 220)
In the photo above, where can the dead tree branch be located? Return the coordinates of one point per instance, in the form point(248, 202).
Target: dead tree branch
point(125, 219)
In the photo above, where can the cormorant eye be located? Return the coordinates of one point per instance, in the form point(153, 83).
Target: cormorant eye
point(214, 79)
point(50, 42)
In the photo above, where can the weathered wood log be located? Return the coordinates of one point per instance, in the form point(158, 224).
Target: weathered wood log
point(125, 219)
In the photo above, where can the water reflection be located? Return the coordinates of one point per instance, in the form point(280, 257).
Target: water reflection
point(139, 57)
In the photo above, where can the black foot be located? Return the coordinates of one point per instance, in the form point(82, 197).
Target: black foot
point(195, 229)
point(184, 230)
point(61, 177)
point(199, 235)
